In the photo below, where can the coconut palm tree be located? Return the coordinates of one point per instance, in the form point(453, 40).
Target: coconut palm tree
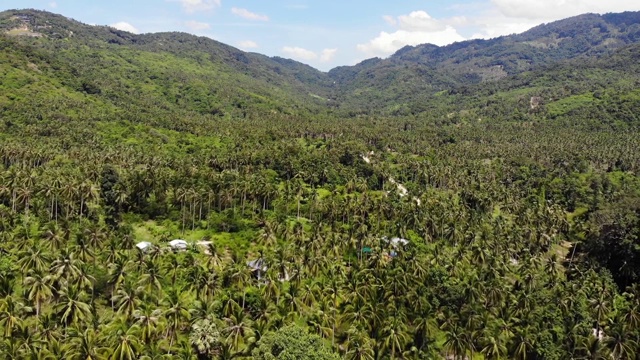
point(70, 306)
point(176, 312)
point(39, 290)
point(84, 345)
point(12, 314)
point(125, 343)
point(148, 319)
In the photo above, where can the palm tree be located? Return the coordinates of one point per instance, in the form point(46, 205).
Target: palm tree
point(456, 341)
point(84, 346)
point(591, 348)
point(148, 320)
point(34, 259)
point(620, 341)
point(66, 266)
point(494, 347)
point(71, 308)
point(176, 312)
point(11, 315)
point(117, 271)
point(238, 328)
point(126, 345)
point(359, 346)
point(127, 299)
point(151, 277)
point(39, 290)
point(54, 237)
point(522, 346)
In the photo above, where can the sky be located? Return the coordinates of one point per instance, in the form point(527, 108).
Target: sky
point(328, 33)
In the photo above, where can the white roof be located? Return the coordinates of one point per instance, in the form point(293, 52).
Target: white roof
point(397, 240)
point(143, 245)
point(178, 243)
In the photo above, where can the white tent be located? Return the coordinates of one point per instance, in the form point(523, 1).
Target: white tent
point(399, 241)
point(144, 246)
point(178, 244)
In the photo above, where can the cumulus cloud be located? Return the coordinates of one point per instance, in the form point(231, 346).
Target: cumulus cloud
point(299, 53)
point(302, 54)
point(554, 9)
point(494, 26)
point(246, 14)
point(388, 43)
point(196, 25)
point(247, 44)
point(420, 21)
point(418, 27)
point(125, 26)
point(327, 55)
point(191, 6)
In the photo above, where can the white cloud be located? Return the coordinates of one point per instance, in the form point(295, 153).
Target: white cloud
point(505, 17)
point(125, 26)
point(387, 43)
point(420, 21)
point(247, 44)
point(191, 6)
point(53, 4)
point(487, 19)
point(196, 25)
point(327, 55)
point(558, 9)
point(299, 53)
point(246, 14)
point(416, 28)
point(491, 27)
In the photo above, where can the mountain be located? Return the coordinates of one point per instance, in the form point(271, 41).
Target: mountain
point(169, 73)
point(392, 84)
point(162, 71)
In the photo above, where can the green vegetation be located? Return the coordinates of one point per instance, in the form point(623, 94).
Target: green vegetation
point(518, 199)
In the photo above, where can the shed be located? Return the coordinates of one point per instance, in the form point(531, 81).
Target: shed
point(144, 246)
point(178, 244)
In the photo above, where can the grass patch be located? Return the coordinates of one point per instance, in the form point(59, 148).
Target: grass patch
point(159, 233)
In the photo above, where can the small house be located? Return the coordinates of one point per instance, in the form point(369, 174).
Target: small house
point(178, 244)
point(144, 246)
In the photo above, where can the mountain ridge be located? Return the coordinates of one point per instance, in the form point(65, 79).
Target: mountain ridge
point(239, 83)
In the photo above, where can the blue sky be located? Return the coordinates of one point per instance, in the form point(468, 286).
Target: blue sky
point(326, 33)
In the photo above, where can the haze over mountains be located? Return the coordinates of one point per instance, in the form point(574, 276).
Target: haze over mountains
point(207, 76)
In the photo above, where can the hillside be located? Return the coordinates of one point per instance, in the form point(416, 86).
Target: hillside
point(414, 74)
point(198, 74)
point(154, 72)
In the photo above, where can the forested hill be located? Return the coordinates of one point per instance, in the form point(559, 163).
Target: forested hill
point(163, 71)
point(181, 72)
point(414, 74)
